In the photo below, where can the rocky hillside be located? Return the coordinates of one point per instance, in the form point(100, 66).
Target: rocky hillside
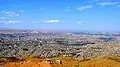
point(106, 61)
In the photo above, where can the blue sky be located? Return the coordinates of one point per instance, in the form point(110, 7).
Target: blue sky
point(73, 15)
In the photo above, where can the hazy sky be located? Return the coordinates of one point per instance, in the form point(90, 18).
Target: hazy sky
point(92, 15)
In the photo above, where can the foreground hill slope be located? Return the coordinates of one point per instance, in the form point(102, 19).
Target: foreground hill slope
point(98, 62)
point(111, 61)
point(24, 62)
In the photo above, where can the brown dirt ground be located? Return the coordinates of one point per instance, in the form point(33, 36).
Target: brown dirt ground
point(111, 61)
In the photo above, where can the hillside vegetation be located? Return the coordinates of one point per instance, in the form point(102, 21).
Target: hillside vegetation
point(108, 61)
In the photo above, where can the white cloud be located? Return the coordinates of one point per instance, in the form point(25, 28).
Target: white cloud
point(85, 7)
point(17, 14)
point(79, 22)
point(10, 22)
point(14, 22)
point(52, 21)
point(107, 3)
point(69, 7)
point(11, 14)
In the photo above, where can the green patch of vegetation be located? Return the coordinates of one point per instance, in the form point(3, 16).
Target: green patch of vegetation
point(117, 59)
point(8, 59)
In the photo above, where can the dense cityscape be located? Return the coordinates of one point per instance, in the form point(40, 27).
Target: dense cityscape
point(49, 44)
point(59, 33)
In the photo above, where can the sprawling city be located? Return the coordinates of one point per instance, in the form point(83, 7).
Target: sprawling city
point(59, 33)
